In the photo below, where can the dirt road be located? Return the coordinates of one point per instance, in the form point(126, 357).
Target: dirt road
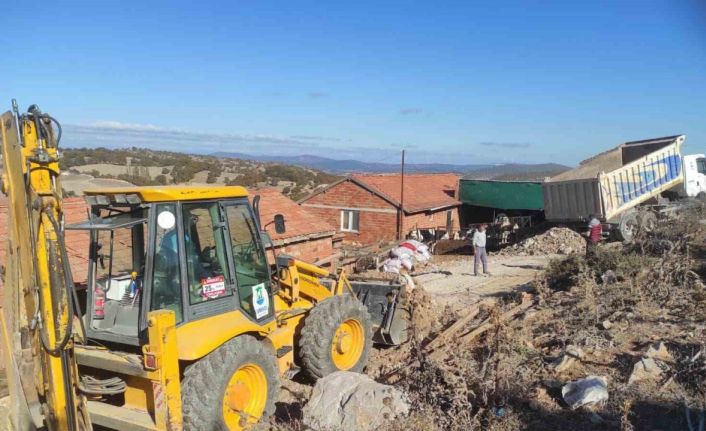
point(451, 281)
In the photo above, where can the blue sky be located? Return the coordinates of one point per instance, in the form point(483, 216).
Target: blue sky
point(463, 82)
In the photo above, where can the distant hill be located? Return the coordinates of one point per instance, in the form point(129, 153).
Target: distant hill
point(347, 166)
point(516, 172)
point(141, 166)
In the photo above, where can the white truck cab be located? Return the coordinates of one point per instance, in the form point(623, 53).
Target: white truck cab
point(694, 176)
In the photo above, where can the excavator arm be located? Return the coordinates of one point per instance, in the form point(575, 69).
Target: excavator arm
point(36, 318)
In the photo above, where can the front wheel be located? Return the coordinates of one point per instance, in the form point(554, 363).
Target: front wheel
point(336, 336)
point(233, 387)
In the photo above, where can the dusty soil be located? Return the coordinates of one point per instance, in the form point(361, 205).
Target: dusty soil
point(450, 280)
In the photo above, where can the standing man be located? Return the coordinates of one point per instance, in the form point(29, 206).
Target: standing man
point(594, 234)
point(479, 254)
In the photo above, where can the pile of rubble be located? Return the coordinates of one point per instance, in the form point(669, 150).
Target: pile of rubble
point(557, 240)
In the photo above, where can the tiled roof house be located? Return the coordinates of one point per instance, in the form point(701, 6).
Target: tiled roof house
point(367, 208)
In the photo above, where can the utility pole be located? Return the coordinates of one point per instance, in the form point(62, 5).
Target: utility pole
point(400, 215)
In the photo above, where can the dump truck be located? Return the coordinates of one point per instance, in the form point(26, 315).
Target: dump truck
point(627, 187)
point(185, 322)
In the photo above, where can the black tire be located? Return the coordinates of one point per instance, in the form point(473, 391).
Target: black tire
point(205, 381)
point(629, 223)
point(647, 221)
point(319, 330)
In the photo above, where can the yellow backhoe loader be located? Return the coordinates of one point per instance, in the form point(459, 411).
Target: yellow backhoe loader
point(185, 321)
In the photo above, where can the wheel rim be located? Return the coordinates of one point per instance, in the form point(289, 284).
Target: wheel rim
point(628, 228)
point(347, 344)
point(245, 397)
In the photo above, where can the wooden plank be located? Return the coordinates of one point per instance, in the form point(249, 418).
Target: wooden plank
point(489, 323)
point(458, 325)
point(527, 302)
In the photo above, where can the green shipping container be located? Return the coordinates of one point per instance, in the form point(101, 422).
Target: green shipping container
point(506, 195)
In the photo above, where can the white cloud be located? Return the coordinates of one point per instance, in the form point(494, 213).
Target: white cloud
point(119, 125)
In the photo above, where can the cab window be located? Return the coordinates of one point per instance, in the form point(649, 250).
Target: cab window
point(166, 276)
point(701, 166)
point(251, 268)
point(206, 259)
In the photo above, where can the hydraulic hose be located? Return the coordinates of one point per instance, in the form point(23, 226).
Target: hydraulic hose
point(53, 263)
point(68, 276)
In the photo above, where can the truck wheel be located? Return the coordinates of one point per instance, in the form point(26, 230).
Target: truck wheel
point(647, 221)
point(629, 223)
point(336, 336)
point(232, 387)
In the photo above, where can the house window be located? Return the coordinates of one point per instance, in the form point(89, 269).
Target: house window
point(349, 220)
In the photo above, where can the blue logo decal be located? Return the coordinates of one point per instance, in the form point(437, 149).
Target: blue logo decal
point(649, 178)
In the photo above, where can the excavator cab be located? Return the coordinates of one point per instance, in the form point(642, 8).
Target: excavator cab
point(198, 258)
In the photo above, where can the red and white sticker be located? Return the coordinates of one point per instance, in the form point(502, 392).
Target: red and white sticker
point(213, 287)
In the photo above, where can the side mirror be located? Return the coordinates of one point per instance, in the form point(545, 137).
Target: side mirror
point(279, 224)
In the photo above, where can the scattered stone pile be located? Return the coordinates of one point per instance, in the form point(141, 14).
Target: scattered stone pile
point(557, 240)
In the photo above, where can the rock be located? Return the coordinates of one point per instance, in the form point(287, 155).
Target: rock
point(568, 359)
point(651, 366)
point(647, 369)
point(606, 324)
point(351, 401)
point(609, 277)
point(659, 351)
point(591, 390)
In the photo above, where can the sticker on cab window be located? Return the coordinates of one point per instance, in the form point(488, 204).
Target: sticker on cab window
point(260, 300)
point(213, 287)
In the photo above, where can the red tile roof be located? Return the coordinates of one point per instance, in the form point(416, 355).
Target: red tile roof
point(422, 192)
point(299, 221)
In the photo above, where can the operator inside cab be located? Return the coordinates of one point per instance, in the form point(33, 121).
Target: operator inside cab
point(197, 258)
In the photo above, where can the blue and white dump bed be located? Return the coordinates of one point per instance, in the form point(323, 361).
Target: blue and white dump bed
point(615, 181)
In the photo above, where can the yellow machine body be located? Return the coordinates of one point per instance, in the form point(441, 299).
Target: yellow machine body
point(35, 318)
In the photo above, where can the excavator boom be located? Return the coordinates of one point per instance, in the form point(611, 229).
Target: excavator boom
point(37, 314)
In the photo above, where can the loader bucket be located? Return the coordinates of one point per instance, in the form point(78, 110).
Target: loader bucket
point(384, 301)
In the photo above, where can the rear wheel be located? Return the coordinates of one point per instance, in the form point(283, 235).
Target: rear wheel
point(629, 223)
point(336, 336)
point(648, 221)
point(231, 388)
